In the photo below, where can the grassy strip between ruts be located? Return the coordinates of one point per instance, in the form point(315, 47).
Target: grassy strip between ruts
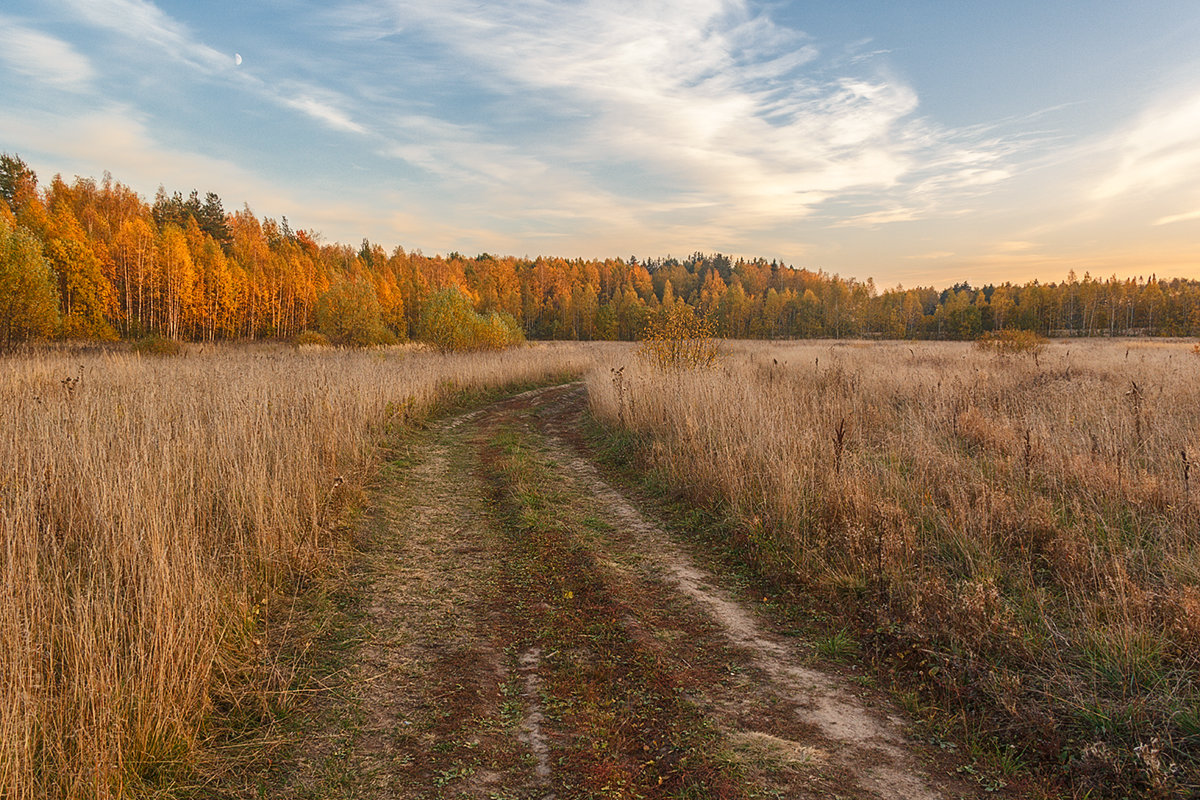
point(632, 732)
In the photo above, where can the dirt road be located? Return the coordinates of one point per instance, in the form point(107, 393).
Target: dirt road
point(521, 629)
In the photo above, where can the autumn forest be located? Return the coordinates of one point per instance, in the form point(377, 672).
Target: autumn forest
point(93, 259)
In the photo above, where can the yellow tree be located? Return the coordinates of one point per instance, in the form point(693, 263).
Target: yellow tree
point(734, 312)
point(252, 254)
point(28, 305)
point(85, 293)
point(213, 292)
point(711, 292)
point(1002, 304)
point(391, 301)
point(348, 313)
point(177, 274)
point(133, 262)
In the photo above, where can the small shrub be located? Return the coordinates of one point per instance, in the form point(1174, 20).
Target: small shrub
point(311, 339)
point(679, 339)
point(157, 346)
point(451, 324)
point(1011, 340)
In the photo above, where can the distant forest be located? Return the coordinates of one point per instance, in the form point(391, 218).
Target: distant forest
point(94, 260)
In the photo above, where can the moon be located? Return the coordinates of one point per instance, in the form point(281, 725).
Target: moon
point(237, 59)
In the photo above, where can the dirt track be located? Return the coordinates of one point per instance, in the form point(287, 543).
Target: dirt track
point(528, 632)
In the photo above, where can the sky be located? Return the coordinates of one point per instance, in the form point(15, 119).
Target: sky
point(922, 142)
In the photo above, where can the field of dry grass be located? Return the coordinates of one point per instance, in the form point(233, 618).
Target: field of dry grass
point(1018, 538)
point(147, 507)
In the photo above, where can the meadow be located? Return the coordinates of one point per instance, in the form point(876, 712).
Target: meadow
point(153, 509)
point(1014, 538)
point(1011, 539)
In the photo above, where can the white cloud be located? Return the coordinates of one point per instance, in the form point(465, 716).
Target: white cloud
point(42, 58)
point(145, 23)
point(1186, 216)
point(115, 139)
point(701, 98)
point(322, 111)
point(461, 152)
point(1160, 151)
point(142, 22)
point(883, 217)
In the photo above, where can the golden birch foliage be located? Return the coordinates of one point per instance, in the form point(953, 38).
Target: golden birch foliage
point(177, 274)
point(28, 301)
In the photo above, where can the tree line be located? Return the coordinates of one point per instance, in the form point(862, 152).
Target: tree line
point(92, 259)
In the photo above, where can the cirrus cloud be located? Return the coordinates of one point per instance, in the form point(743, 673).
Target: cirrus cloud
point(42, 57)
point(707, 102)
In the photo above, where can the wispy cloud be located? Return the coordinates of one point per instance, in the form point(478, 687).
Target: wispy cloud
point(690, 123)
point(933, 255)
point(459, 152)
point(321, 107)
point(131, 151)
point(1161, 150)
point(694, 98)
point(1186, 216)
point(41, 57)
point(145, 23)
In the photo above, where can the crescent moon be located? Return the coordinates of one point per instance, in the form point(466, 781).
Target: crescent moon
point(237, 59)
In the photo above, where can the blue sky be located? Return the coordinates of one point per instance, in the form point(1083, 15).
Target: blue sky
point(913, 142)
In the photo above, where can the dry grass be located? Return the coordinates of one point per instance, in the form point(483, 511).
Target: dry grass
point(148, 506)
point(1016, 534)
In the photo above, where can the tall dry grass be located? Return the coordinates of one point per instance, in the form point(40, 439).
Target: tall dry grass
point(1020, 536)
point(146, 506)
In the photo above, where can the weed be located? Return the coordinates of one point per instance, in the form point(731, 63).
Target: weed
point(310, 339)
point(837, 646)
